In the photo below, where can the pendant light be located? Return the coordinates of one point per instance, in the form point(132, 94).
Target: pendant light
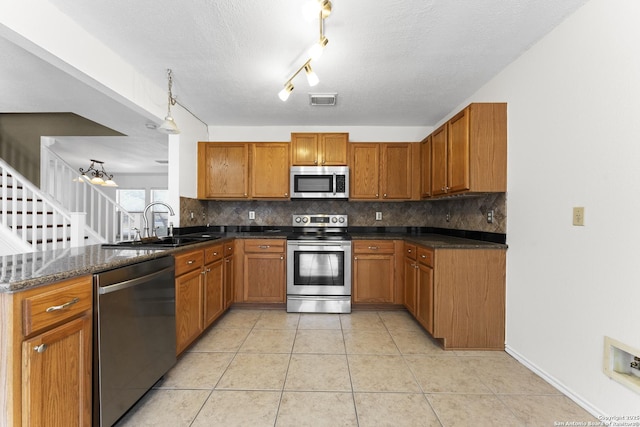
point(169, 125)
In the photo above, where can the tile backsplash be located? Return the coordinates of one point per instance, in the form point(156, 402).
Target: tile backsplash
point(460, 213)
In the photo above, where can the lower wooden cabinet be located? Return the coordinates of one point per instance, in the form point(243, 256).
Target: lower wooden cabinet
point(264, 270)
point(459, 295)
point(47, 364)
point(410, 269)
point(203, 284)
point(373, 271)
point(229, 278)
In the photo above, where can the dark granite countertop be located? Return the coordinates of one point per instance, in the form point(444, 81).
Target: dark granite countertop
point(29, 270)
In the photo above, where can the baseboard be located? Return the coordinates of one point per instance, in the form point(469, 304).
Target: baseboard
point(587, 406)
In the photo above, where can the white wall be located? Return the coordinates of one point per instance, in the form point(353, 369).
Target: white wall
point(574, 129)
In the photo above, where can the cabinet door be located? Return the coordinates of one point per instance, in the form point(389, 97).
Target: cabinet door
point(228, 282)
point(439, 161)
point(188, 309)
point(365, 167)
point(213, 291)
point(270, 170)
point(333, 149)
point(56, 376)
point(304, 149)
point(410, 278)
point(396, 171)
point(264, 277)
point(458, 154)
point(223, 170)
point(424, 305)
point(373, 278)
point(425, 172)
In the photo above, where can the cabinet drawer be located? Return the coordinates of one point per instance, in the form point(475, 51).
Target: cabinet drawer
point(228, 248)
point(264, 245)
point(62, 302)
point(425, 256)
point(189, 261)
point(410, 251)
point(373, 247)
point(213, 253)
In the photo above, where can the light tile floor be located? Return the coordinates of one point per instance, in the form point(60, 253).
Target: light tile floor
point(367, 368)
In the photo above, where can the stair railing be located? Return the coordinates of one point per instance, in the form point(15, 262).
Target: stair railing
point(110, 221)
point(30, 215)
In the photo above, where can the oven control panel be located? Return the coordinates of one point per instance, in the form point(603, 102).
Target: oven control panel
point(320, 220)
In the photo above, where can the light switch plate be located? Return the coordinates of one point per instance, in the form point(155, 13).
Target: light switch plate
point(578, 216)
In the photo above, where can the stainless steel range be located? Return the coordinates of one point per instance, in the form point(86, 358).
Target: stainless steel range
point(319, 264)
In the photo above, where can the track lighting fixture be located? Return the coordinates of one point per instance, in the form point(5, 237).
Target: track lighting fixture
point(324, 7)
point(169, 125)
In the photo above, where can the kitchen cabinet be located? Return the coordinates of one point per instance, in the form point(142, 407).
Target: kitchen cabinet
point(460, 296)
point(319, 149)
point(410, 267)
point(269, 170)
point(424, 288)
point(202, 277)
point(384, 171)
point(425, 164)
point(229, 291)
point(471, 156)
point(373, 271)
point(243, 170)
point(47, 359)
point(264, 270)
point(223, 170)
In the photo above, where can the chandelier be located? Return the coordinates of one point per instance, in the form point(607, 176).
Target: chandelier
point(96, 174)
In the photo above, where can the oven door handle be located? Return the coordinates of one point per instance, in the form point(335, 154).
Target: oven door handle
point(319, 243)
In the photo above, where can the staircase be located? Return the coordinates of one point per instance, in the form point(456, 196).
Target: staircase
point(36, 223)
point(65, 212)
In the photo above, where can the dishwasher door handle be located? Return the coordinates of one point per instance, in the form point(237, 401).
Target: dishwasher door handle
point(133, 282)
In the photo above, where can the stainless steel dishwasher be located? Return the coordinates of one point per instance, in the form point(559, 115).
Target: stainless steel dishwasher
point(134, 334)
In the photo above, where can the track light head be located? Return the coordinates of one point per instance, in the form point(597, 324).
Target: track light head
point(284, 93)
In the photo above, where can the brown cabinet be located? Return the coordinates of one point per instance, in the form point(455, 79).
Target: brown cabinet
point(223, 170)
point(373, 271)
point(469, 152)
point(319, 149)
point(243, 170)
point(228, 275)
point(384, 171)
point(425, 164)
point(424, 288)
point(201, 286)
point(48, 332)
point(269, 170)
point(410, 269)
point(459, 295)
point(264, 270)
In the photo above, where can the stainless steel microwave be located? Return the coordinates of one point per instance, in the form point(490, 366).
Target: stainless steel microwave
point(319, 182)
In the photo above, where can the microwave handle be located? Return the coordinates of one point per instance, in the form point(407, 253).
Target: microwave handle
point(335, 183)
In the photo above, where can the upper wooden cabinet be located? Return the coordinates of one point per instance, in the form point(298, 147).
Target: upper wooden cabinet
point(425, 164)
point(319, 149)
point(469, 152)
point(243, 170)
point(223, 170)
point(384, 171)
point(270, 170)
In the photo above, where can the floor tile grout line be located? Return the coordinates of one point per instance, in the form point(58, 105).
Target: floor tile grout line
point(286, 374)
point(353, 392)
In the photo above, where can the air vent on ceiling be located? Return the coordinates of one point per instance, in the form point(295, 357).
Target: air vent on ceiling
point(163, 162)
point(323, 99)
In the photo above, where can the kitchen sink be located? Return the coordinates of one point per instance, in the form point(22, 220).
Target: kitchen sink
point(163, 242)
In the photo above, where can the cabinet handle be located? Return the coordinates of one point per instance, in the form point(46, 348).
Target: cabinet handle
point(40, 348)
point(355, 258)
point(203, 272)
point(315, 162)
point(373, 248)
point(286, 194)
point(227, 260)
point(409, 250)
point(63, 306)
point(264, 246)
point(281, 257)
point(376, 194)
point(191, 261)
point(384, 195)
point(423, 256)
point(215, 253)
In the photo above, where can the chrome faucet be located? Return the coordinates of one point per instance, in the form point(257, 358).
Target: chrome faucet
point(145, 232)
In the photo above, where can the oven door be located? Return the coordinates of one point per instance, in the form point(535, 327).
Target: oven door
point(319, 268)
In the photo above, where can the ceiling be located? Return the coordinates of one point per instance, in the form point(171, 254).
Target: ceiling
point(392, 63)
